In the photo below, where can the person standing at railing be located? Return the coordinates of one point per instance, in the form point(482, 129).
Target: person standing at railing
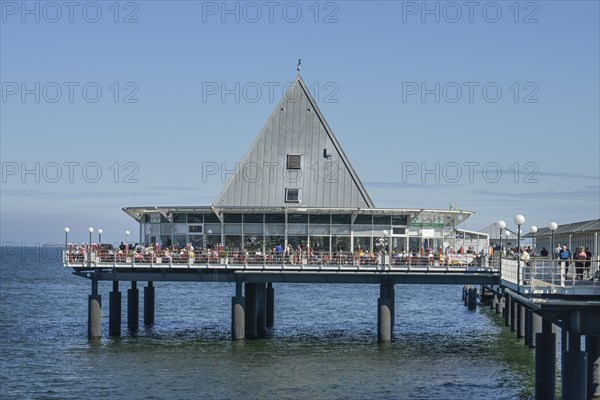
point(580, 256)
point(587, 269)
point(544, 252)
point(564, 255)
point(557, 250)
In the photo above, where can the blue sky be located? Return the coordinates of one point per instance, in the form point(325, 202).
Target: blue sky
point(506, 91)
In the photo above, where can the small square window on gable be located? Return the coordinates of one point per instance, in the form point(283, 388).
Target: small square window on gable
point(292, 195)
point(293, 161)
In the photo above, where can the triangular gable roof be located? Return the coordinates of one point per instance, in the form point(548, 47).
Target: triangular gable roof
point(325, 179)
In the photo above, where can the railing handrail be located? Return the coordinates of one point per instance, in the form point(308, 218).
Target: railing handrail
point(191, 258)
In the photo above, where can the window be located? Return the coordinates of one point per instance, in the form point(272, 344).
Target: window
point(293, 161)
point(180, 218)
point(399, 219)
point(340, 219)
point(275, 218)
point(363, 220)
point(292, 195)
point(320, 219)
point(196, 218)
point(195, 228)
point(233, 218)
point(297, 218)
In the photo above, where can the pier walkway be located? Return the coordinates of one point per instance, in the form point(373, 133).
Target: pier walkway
point(533, 299)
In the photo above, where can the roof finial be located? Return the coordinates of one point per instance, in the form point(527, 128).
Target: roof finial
point(298, 67)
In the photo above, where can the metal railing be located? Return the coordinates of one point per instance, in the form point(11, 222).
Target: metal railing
point(547, 275)
point(114, 258)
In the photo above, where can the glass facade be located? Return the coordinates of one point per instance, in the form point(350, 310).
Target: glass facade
point(321, 232)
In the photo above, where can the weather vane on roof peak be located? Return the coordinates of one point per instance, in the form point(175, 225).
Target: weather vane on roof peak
point(298, 66)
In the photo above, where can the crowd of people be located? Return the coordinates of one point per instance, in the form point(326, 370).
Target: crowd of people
point(582, 257)
point(144, 253)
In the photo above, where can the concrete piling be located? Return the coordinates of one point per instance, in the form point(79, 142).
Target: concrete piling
point(520, 320)
point(149, 292)
point(574, 374)
point(506, 313)
point(238, 318)
point(384, 312)
point(133, 307)
point(114, 311)
point(94, 316)
point(545, 362)
point(261, 310)
point(472, 298)
point(270, 305)
point(536, 327)
point(513, 315)
point(94, 312)
point(592, 348)
point(250, 311)
point(528, 327)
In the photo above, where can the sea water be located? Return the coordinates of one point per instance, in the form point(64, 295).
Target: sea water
point(323, 345)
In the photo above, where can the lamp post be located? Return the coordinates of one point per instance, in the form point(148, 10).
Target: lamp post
point(533, 231)
point(67, 242)
point(126, 245)
point(553, 226)
point(67, 230)
point(501, 224)
point(519, 220)
point(100, 242)
point(385, 233)
point(91, 230)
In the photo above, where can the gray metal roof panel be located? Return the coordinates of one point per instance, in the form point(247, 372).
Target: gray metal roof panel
point(296, 127)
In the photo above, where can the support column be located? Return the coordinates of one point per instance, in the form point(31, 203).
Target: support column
point(384, 312)
point(94, 312)
point(506, 314)
point(149, 304)
point(133, 307)
point(592, 347)
point(500, 308)
point(270, 305)
point(536, 327)
point(574, 374)
point(513, 315)
point(520, 317)
point(250, 311)
point(114, 311)
point(472, 298)
point(261, 309)
point(392, 295)
point(545, 362)
point(528, 327)
point(238, 318)
point(574, 361)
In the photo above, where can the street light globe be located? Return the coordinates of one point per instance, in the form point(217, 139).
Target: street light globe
point(507, 233)
point(100, 231)
point(91, 229)
point(209, 231)
point(553, 226)
point(533, 229)
point(127, 233)
point(67, 230)
point(519, 219)
point(501, 224)
point(385, 232)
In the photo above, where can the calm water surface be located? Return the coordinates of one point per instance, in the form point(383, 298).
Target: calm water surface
point(323, 345)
